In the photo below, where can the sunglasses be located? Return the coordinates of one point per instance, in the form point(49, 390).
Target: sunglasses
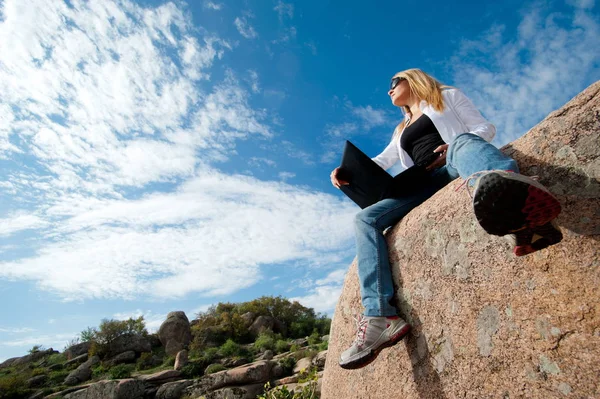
point(395, 82)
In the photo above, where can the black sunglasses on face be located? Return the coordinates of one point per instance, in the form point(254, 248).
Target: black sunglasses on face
point(395, 82)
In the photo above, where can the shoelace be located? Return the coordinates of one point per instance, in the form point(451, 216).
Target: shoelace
point(361, 329)
point(475, 176)
point(467, 180)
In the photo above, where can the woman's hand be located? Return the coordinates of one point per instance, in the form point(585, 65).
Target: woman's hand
point(441, 160)
point(335, 180)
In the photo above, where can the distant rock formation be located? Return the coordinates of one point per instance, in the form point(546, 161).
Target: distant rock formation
point(175, 333)
point(486, 323)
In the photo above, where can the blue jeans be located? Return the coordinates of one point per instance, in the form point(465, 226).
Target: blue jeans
point(466, 155)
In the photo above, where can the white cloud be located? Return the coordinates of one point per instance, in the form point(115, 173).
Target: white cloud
point(371, 117)
point(324, 293)
point(516, 83)
point(14, 330)
point(245, 28)
point(152, 321)
point(284, 10)
point(253, 78)
point(209, 237)
point(56, 341)
point(212, 5)
point(19, 222)
point(284, 176)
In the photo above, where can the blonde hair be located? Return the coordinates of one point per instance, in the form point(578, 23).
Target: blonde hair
point(425, 88)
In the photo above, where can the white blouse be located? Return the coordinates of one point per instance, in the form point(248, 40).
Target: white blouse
point(459, 116)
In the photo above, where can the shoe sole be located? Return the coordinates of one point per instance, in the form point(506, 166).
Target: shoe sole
point(549, 235)
point(373, 353)
point(505, 206)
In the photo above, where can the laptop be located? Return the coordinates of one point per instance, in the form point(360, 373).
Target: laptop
point(369, 183)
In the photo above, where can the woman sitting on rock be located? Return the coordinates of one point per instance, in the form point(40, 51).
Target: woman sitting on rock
point(446, 136)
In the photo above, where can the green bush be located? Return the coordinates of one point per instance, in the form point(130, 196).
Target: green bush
point(99, 371)
point(120, 371)
point(282, 392)
point(323, 346)
point(209, 355)
point(57, 358)
point(282, 346)
point(36, 348)
point(170, 361)
point(192, 370)
point(13, 386)
point(314, 338)
point(213, 368)
point(287, 364)
point(265, 341)
point(38, 371)
point(304, 353)
point(145, 361)
point(57, 377)
point(230, 348)
point(294, 348)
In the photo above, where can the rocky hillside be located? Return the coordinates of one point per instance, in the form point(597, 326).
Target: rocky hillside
point(486, 323)
point(231, 351)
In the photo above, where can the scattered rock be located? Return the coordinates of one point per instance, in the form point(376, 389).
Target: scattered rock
point(319, 360)
point(125, 357)
point(77, 360)
point(115, 389)
point(181, 360)
point(83, 372)
point(161, 377)
point(241, 392)
point(172, 390)
point(303, 364)
point(175, 333)
point(37, 381)
point(126, 343)
point(78, 350)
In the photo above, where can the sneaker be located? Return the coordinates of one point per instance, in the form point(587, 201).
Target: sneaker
point(528, 241)
point(374, 333)
point(510, 203)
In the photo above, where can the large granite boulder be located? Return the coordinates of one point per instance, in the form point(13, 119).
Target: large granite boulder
point(116, 389)
point(263, 323)
point(83, 372)
point(487, 324)
point(254, 373)
point(33, 357)
point(127, 343)
point(125, 357)
point(78, 349)
point(172, 390)
point(175, 333)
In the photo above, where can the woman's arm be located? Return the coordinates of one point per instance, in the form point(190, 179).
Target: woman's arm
point(471, 117)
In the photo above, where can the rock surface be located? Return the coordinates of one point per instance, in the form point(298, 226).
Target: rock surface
point(115, 389)
point(83, 372)
point(181, 360)
point(175, 333)
point(487, 324)
point(78, 349)
point(125, 357)
point(127, 343)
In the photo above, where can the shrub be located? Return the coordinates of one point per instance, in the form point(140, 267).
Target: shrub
point(213, 368)
point(99, 371)
point(145, 361)
point(209, 355)
point(265, 341)
point(323, 346)
point(120, 371)
point(38, 371)
point(57, 358)
point(282, 346)
point(282, 392)
point(169, 361)
point(314, 338)
point(230, 348)
point(36, 348)
point(57, 377)
point(294, 348)
point(192, 370)
point(287, 364)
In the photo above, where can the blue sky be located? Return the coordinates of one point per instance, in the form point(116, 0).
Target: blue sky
point(159, 156)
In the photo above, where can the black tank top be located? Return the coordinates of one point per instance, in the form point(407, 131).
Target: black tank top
point(420, 139)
